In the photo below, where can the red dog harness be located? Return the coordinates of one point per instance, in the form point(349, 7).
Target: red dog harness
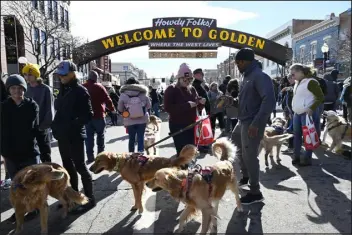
point(206, 173)
point(142, 160)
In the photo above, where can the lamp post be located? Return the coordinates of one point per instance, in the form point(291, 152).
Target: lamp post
point(325, 50)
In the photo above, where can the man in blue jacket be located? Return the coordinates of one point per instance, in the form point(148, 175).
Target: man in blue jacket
point(255, 103)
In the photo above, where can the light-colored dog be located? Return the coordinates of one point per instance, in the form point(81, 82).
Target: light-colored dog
point(137, 169)
point(203, 189)
point(151, 131)
point(273, 138)
point(338, 129)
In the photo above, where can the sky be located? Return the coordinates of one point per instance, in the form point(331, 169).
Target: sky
point(103, 18)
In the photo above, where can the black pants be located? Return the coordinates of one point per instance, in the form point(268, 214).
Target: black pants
point(220, 117)
point(44, 146)
point(344, 111)
point(182, 139)
point(72, 155)
point(327, 107)
point(290, 143)
point(234, 122)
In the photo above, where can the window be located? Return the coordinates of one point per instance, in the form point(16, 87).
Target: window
point(50, 9)
point(64, 54)
point(67, 26)
point(62, 12)
point(313, 51)
point(58, 56)
point(36, 40)
point(42, 7)
point(301, 55)
point(56, 13)
point(44, 44)
point(68, 51)
point(35, 4)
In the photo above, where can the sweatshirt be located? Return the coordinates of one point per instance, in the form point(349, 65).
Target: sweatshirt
point(43, 96)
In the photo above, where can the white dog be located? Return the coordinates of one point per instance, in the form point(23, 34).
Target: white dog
point(338, 129)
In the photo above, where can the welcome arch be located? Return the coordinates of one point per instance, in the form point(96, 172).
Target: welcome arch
point(182, 33)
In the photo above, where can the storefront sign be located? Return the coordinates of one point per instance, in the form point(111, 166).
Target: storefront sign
point(183, 33)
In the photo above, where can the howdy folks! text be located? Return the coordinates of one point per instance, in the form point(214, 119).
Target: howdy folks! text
point(183, 22)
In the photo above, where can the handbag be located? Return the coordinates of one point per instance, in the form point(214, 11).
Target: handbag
point(203, 132)
point(310, 134)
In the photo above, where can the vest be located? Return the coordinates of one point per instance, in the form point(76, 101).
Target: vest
point(302, 97)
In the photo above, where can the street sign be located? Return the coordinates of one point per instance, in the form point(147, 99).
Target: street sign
point(125, 68)
point(182, 54)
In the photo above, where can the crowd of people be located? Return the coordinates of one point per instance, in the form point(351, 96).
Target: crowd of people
point(30, 111)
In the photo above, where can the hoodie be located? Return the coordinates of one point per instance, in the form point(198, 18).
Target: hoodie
point(131, 90)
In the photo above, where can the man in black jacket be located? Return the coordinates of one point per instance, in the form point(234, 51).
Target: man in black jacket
point(73, 112)
point(197, 84)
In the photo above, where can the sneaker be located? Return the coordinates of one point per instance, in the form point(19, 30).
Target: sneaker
point(251, 198)
point(6, 184)
point(243, 181)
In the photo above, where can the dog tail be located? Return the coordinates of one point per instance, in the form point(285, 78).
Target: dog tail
point(187, 154)
point(75, 196)
point(278, 138)
point(224, 149)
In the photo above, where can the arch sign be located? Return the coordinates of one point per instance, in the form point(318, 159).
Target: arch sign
point(187, 33)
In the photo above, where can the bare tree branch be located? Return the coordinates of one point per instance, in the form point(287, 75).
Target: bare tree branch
point(32, 19)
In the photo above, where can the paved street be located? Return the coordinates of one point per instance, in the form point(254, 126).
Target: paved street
point(297, 200)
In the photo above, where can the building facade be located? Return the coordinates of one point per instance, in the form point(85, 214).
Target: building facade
point(307, 45)
point(345, 44)
point(18, 39)
point(283, 35)
point(210, 75)
point(125, 70)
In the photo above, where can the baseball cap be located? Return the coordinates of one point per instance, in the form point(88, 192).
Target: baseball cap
point(65, 67)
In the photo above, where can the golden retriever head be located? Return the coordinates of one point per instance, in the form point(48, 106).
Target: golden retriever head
point(278, 121)
point(331, 116)
point(169, 179)
point(40, 174)
point(104, 161)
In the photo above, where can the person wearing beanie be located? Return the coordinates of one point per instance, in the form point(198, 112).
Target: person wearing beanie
point(223, 85)
point(198, 76)
point(43, 96)
point(19, 130)
point(73, 111)
point(100, 99)
point(181, 101)
point(134, 101)
point(255, 103)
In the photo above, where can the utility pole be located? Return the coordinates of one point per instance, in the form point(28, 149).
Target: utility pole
point(230, 61)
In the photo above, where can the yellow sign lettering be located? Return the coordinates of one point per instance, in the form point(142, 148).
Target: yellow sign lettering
point(119, 40)
point(160, 34)
point(233, 37)
point(137, 36)
point(242, 39)
point(171, 32)
point(109, 42)
point(251, 41)
point(224, 35)
point(260, 44)
point(186, 31)
point(128, 39)
point(197, 32)
point(148, 35)
point(213, 34)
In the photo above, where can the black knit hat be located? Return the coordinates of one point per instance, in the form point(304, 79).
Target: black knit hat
point(15, 80)
point(197, 71)
point(246, 54)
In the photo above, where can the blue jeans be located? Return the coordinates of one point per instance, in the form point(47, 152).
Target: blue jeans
point(95, 126)
point(299, 120)
point(156, 109)
point(13, 167)
point(133, 130)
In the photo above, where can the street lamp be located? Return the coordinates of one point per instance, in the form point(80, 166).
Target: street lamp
point(325, 50)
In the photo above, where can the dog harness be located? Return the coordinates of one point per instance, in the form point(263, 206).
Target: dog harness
point(340, 124)
point(206, 173)
point(140, 158)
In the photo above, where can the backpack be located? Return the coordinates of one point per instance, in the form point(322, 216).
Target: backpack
point(135, 107)
point(322, 84)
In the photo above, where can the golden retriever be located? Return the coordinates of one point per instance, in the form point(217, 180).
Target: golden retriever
point(196, 190)
point(32, 185)
point(150, 132)
point(273, 137)
point(338, 129)
point(137, 169)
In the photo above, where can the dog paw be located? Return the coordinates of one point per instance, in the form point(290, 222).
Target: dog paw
point(134, 208)
point(140, 211)
point(266, 164)
point(278, 160)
